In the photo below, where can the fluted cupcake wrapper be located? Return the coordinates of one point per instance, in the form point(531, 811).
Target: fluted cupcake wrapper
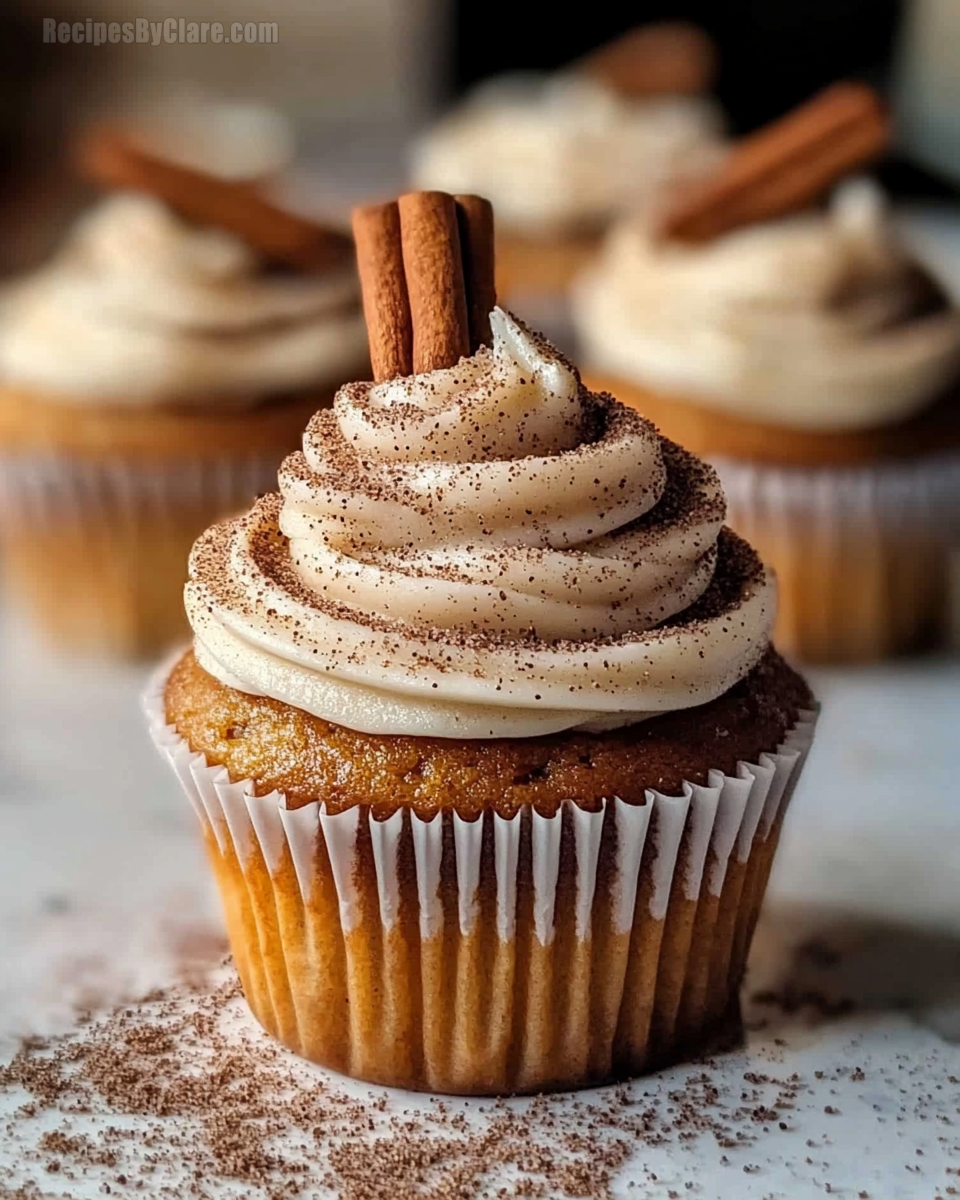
point(95, 550)
point(43, 489)
point(493, 955)
point(862, 554)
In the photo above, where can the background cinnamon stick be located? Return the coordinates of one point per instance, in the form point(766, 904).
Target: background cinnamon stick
point(666, 58)
point(475, 220)
point(376, 231)
point(433, 267)
point(784, 166)
point(109, 157)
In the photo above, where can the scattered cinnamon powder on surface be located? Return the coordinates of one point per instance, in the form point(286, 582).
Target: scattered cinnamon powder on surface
point(29, 1191)
point(183, 1097)
point(183, 1094)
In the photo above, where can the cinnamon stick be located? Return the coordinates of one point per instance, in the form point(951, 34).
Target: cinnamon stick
point(427, 273)
point(376, 232)
point(784, 166)
point(433, 268)
point(111, 157)
point(666, 58)
point(475, 221)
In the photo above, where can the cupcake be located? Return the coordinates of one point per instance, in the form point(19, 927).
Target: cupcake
point(152, 377)
point(481, 720)
point(561, 156)
point(816, 364)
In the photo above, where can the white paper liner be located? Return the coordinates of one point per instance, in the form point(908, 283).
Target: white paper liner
point(917, 495)
point(861, 553)
point(38, 490)
point(723, 817)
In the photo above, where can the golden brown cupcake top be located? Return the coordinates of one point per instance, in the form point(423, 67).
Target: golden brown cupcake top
point(305, 757)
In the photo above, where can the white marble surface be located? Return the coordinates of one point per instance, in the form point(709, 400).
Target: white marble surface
point(103, 895)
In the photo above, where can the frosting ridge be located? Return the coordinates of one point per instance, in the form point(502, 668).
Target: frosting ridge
point(141, 307)
point(566, 152)
point(819, 322)
point(485, 550)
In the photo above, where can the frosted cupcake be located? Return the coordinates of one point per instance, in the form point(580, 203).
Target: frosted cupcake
point(562, 156)
point(152, 377)
point(815, 362)
point(481, 721)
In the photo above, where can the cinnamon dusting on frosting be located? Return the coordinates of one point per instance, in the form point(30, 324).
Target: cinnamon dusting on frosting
point(486, 550)
point(739, 571)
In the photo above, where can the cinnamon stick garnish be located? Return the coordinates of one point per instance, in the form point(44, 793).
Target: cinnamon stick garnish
point(475, 219)
point(784, 166)
point(111, 157)
point(426, 270)
point(376, 232)
point(667, 58)
point(433, 266)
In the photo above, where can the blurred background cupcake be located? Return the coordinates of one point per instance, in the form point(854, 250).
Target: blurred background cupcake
point(562, 154)
point(157, 369)
point(815, 361)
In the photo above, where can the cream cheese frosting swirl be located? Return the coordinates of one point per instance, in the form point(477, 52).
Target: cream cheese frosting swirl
point(566, 153)
point(817, 322)
point(141, 308)
point(488, 550)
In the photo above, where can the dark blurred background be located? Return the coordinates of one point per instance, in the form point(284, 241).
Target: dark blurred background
point(773, 53)
point(363, 75)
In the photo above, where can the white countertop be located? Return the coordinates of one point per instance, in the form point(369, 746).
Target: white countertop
point(104, 895)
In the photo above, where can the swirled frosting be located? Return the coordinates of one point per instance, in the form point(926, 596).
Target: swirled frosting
point(567, 153)
point(819, 322)
point(142, 308)
point(484, 551)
